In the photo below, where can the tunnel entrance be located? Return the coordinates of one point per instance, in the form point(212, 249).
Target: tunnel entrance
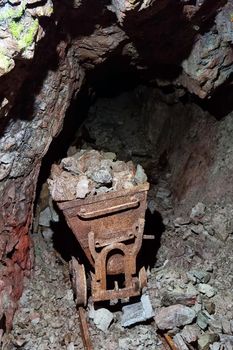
point(179, 144)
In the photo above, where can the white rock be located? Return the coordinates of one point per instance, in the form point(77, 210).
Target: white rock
point(147, 307)
point(82, 187)
point(70, 346)
point(206, 289)
point(102, 319)
point(137, 312)
point(102, 189)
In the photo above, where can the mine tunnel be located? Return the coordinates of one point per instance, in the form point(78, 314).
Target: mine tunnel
point(116, 219)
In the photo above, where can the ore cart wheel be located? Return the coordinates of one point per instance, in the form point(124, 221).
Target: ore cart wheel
point(79, 282)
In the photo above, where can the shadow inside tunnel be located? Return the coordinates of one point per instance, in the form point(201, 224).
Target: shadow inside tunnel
point(65, 242)
point(154, 227)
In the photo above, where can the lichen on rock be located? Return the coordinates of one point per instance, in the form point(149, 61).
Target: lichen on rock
point(20, 26)
point(27, 38)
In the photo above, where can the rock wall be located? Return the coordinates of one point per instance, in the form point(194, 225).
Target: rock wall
point(27, 139)
point(45, 49)
point(42, 93)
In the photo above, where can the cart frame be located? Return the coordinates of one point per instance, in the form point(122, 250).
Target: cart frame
point(109, 228)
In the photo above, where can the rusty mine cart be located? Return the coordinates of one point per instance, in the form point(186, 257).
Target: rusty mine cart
point(109, 228)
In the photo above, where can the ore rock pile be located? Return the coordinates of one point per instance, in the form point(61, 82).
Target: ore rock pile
point(90, 172)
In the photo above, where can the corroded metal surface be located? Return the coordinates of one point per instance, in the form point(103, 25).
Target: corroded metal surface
point(84, 329)
point(109, 228)
point(79, 282)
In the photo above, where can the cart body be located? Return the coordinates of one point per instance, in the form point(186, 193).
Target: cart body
point(109, 228)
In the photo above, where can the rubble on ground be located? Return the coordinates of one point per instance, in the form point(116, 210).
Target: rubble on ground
point(90, 172)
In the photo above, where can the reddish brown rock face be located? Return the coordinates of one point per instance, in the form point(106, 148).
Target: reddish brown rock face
point(29, 142)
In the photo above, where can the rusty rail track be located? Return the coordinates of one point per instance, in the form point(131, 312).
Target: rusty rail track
point(84, 329)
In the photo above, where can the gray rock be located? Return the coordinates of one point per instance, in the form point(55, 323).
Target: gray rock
point(209, 306)
point(226, 339)
point(102, 319)
point(180, 221)
point(174, 316)
point(215, 325)
point(179, 341)
point(231, 323)
point(18, 342)
point(222, 226)
point(140, 175)
point(215, 346)
point(197, 307)
point(191, 290)
point(47, 233)
point(101, 175)
point(137, 312)
point(102, 189)
point(152, 205)
point(72, 165)
point(198, 229)
point(203, 320)
point(172, 298)
point(197, 212)
point(163, 193)
point(201, 276)
point(226, 326)
point(191, 277)
point(110, 155)
point(205, 340)
point(190, 333)
point(45, 217)
point(206, 289)
point(54, 214)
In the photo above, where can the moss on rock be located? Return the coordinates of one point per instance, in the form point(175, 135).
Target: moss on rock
point(12, 13)
point(28, 37)
point(16, 28)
